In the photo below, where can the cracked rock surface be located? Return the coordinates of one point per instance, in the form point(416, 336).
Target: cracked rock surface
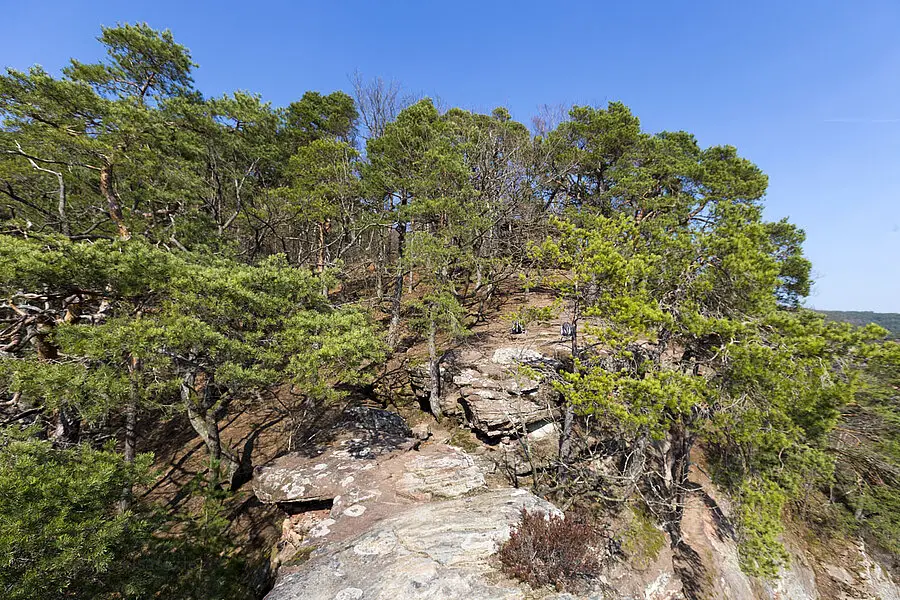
point(501, 392)
point(437, 550)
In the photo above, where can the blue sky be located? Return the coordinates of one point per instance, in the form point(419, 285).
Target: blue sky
point(808, 89)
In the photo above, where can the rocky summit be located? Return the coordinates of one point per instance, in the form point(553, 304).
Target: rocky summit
point(412, 520)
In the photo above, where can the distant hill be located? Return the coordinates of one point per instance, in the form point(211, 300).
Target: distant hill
point(890, 321)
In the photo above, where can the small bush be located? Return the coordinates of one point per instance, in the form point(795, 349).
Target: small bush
point(551, 550)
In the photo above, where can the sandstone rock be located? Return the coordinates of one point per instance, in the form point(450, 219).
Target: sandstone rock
point(516, 355)
point(473, 378)
point(434, 551)
point(358, 439)
point(496, 397)
point(877, 580)
point(299, 478)
point(372, 431)
point(363, 490)
point(542, 431)
point(422, 431)
point(519, 385)
point(420, 381)
point(716, 565)
point(450, 475)
point(498, 413)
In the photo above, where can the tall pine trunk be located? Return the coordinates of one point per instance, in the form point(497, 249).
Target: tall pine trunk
point(112, 202)
point(677, 464)
point(565, 444)
point(394, 327)
point(434, 371)
point(130, 446)
point(68, 423)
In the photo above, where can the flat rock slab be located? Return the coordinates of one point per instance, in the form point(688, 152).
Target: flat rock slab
point(300, 478)
point(364, 491)
point(438, 550)
point(354, 445)
point(439, 471)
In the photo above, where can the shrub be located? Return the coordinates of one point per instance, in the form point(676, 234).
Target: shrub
point(552, 550)
point(642, 540)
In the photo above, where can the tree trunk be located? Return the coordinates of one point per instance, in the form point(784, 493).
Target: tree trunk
point(394, 327)
point(434, 371)
point(320, 253)
point(130, 449)
point(61, 206)
point(68, 423)
point(203, 419)
point(575, 308)
point(68, 426)
point(130, 446)
point(320, 256)
point(61, 201)
point(380, 261)
point(677, 462)
point(112, 201)
point(633, 464)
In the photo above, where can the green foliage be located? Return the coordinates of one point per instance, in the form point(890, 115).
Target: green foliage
point(323, 177)
point(217, 329)
point(191, 555)
point(165, 250)
point(528, 315)
point(439, 310)
point(63, 535)
point(317, 117)
point(760, 508)
point(866, 445)
point(633, 404)
point(669, 270)
point(142, 61)
point(60, 532)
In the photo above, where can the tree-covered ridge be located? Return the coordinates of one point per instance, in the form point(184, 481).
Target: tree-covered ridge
point(861, 318)
point(167, 254)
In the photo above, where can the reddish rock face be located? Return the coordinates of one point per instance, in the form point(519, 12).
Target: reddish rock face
point(360, 487)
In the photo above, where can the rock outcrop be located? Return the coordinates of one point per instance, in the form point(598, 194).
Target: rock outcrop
point(503, 392)
point(353, 489)
point(376, 514)
point(439, 551)
point(325, 470)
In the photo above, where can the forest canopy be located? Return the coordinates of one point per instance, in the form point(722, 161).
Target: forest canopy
point(167, 255)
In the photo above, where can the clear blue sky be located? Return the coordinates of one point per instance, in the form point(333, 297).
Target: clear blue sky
point(808, 89)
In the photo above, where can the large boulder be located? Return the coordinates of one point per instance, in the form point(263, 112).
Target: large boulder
point(505, 391)
point(341, 489)
point(439, 550)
